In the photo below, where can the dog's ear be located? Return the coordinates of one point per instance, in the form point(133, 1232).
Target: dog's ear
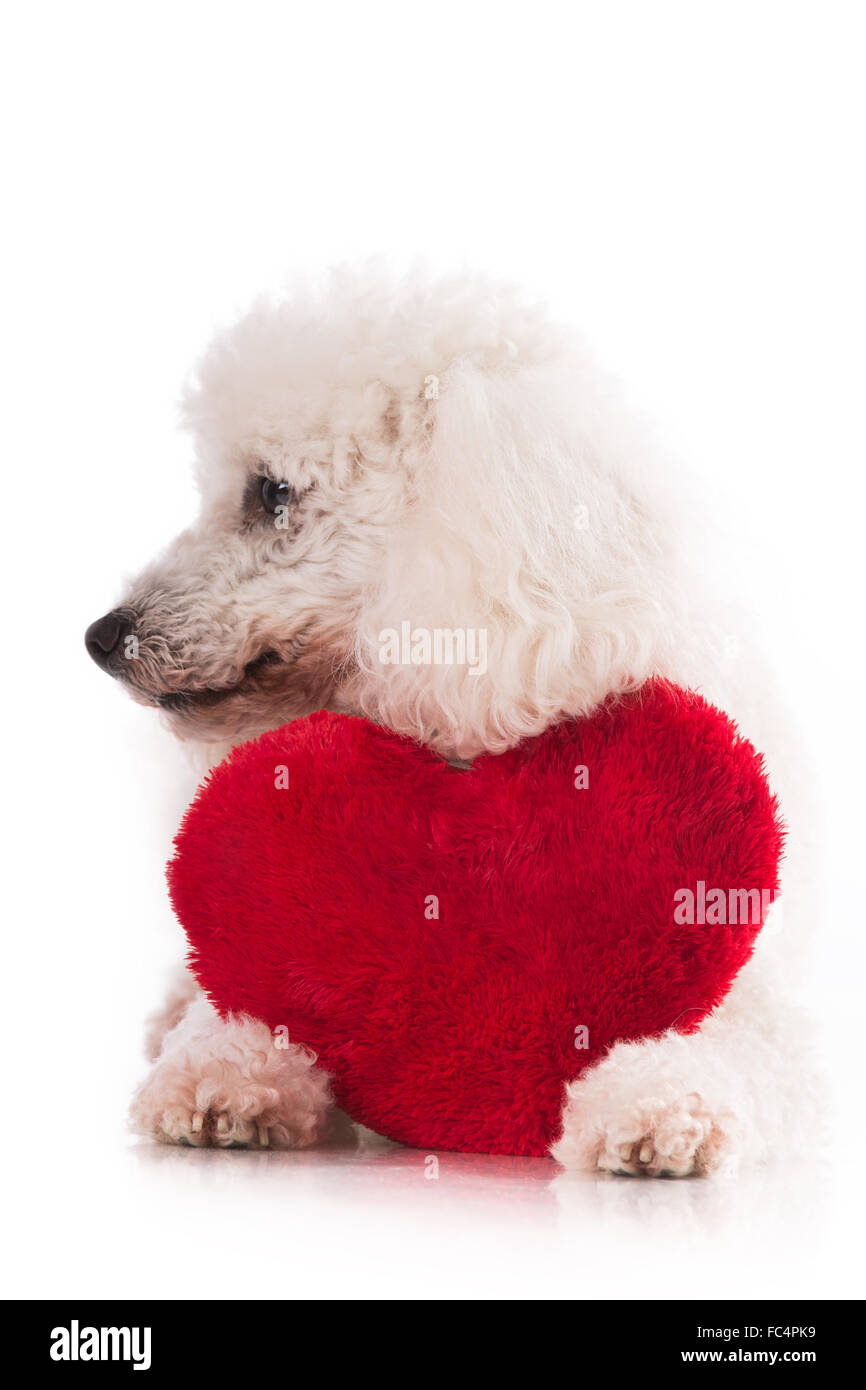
point(492, 545)
point(396, 416)
point(469, 559)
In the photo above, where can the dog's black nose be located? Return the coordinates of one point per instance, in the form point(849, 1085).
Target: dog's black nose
point(104, 636)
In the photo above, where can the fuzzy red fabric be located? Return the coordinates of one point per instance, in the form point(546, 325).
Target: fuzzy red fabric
point(314, 905)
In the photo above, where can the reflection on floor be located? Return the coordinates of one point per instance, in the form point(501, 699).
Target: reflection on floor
point(410, 1223)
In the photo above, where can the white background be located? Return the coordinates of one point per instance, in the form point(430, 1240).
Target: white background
point(685, 182)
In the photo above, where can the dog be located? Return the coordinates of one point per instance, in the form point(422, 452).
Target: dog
point(378, 455)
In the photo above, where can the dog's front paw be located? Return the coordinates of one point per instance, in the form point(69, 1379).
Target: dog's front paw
point(650, 1139)
point(666, 1141)
point(225, 1084)
point(217, 1108)
point(617, 1119)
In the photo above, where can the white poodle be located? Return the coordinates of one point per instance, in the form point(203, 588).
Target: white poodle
point(373, 454)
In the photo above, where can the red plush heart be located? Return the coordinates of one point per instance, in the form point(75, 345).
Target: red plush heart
point(457, 944)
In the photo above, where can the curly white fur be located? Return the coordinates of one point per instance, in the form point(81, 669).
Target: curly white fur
point(515, 497)
point(227, 1083)
point(703, 1103)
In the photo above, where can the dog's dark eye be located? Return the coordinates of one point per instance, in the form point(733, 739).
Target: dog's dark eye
point(275, 494)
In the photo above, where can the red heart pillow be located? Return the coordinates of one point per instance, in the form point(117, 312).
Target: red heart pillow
point(457, 944)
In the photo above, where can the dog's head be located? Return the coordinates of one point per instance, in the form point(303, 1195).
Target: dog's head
point(415, 505)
